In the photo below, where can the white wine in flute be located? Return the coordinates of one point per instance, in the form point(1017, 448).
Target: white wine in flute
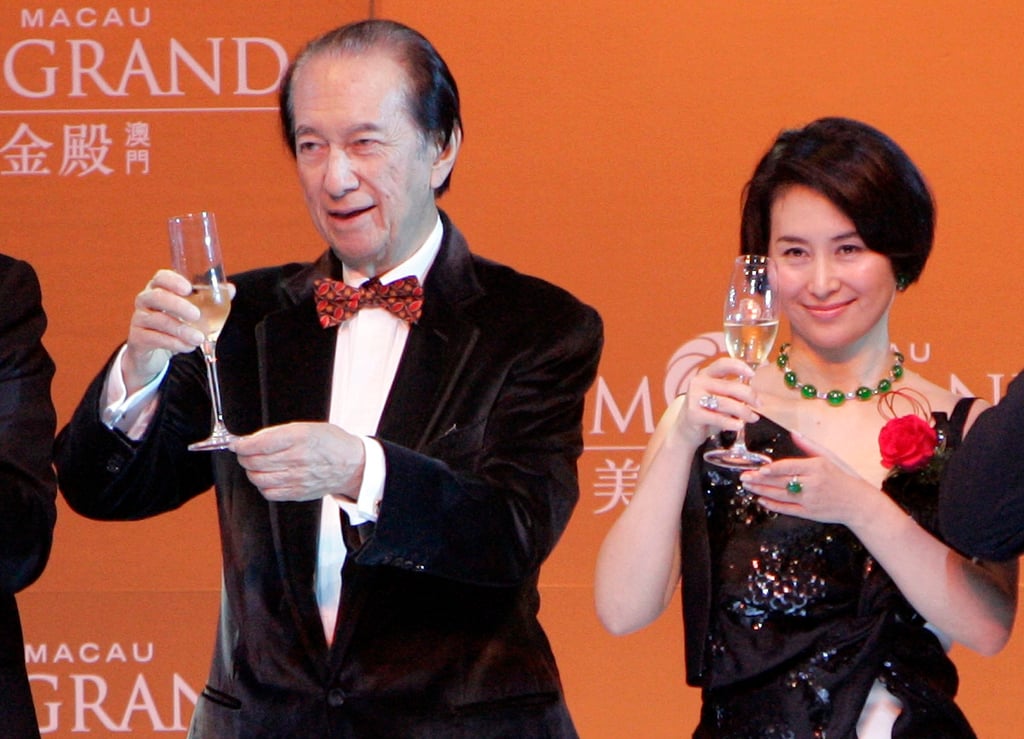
point(195, 255)
point(750, 342)
point(750, 321)
point(214, 305)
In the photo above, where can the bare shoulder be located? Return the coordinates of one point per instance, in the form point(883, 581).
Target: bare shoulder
point(941, 399)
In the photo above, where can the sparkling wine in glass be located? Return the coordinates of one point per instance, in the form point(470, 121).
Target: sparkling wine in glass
point(195, 254)
point(751, 324)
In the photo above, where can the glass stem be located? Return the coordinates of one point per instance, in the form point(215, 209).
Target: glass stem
point(210, 355)
point(739, 444)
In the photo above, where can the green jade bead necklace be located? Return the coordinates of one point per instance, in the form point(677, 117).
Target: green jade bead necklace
point(836, 398)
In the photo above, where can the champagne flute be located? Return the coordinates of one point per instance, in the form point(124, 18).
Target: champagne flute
point(195, 254)
point(751, 324)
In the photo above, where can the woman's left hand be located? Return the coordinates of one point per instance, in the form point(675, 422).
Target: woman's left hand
point(820, 487)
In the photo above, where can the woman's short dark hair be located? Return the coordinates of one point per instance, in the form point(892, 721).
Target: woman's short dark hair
point(433, 96)
point(862, 172)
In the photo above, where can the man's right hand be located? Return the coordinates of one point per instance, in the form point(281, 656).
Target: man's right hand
point(159, 328)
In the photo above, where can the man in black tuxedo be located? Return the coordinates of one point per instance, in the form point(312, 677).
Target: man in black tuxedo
point(403, 472)
point(28, 491)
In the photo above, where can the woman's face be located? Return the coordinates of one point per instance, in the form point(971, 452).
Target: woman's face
point(835, 291)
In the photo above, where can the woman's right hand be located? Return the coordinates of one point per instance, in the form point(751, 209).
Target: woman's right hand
point(159, 328)
point(719, 399)
point(639, 562)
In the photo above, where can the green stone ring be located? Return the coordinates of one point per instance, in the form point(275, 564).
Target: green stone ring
point(794, 486)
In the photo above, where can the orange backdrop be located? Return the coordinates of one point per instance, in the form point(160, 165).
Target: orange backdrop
point(606, 145)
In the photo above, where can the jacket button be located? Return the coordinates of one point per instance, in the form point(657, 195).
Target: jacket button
point(336, 698)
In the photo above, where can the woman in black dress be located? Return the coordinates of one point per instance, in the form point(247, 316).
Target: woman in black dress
point(818, 598)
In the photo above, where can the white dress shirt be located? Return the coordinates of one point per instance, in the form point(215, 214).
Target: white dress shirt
point(366, 357)
point(369, 347)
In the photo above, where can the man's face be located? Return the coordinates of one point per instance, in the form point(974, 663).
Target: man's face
point(367, 171)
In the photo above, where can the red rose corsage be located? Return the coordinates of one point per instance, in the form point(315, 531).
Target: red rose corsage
point(907, 443)
point(912, 443)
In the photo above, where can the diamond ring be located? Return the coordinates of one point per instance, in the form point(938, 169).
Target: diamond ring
point(710, 402)
point(793, 486)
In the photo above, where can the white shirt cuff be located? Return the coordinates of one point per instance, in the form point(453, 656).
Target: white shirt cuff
point(371, 490)
point(129, 414)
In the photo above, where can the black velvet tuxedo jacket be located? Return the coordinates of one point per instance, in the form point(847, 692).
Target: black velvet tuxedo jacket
point(27, 489)
point(437, 634)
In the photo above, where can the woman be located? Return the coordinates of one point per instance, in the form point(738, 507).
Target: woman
point(814, 606)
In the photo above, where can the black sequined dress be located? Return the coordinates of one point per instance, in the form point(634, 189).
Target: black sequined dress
point(789, 622)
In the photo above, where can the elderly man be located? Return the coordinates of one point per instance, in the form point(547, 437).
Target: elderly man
point(403, 470)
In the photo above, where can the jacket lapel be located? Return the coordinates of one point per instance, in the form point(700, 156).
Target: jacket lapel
point(295, 361)
point(437, 348)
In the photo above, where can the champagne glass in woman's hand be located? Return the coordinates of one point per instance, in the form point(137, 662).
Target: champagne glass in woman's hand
point(751, 323)
point(195, 254)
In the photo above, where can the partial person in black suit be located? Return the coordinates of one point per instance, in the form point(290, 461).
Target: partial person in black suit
point(28, 491)
point(981, 500)
point(449, 443)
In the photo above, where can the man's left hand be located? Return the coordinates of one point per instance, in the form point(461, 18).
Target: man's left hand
point(302, 461)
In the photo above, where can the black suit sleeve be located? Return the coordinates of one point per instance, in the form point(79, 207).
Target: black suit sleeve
point(27, 423)
point(981, 505)
point(104, 475)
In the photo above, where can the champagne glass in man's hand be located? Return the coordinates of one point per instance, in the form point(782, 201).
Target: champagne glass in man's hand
point(195, 254)
point(751, 324)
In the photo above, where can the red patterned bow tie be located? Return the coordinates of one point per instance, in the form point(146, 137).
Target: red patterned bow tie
point(336, 302)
